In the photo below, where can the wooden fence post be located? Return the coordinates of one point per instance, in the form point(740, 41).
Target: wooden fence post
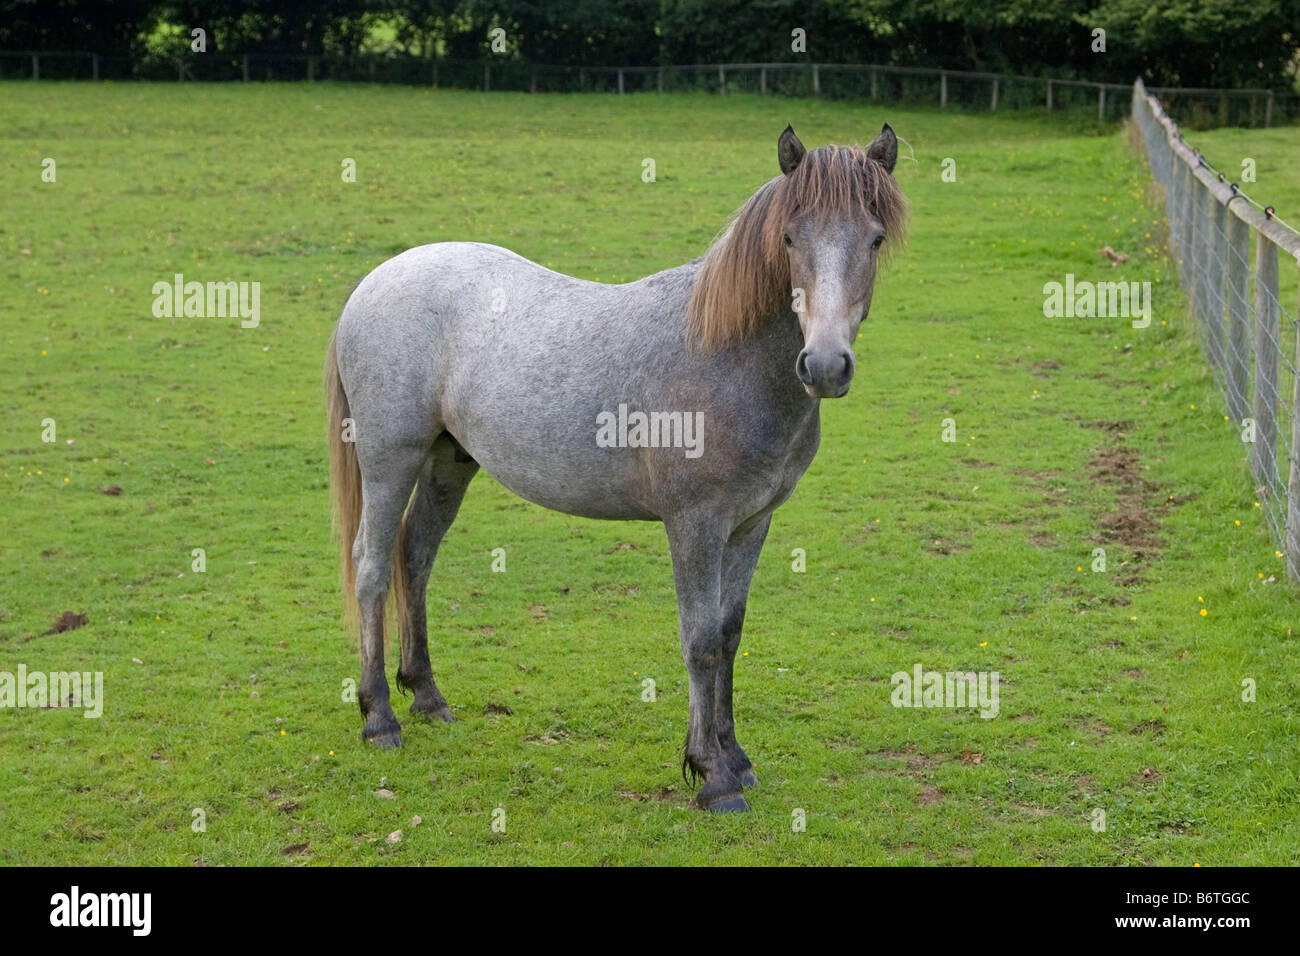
point(1267, 347)
point(1178, 218)
point(722, 81)
point(660, 79)
point(1173, 198)
point(620, 82)
point(993, 105)
point(94, 66)
point(1200, 250)
point(1187, 253)
point(943, 88)
point(244, 65)
point(36, 66)
point(1101, 103)
point(1216, 251)
point(1268, 109)
point(1238, 293)
point(817, 80)
point(762, 81)
point(1291, 539)
point(1049, 94)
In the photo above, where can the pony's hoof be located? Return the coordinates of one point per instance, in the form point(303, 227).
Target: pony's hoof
point(384, 739)
point(731, 803)
point(429, 713)
point(748, 778)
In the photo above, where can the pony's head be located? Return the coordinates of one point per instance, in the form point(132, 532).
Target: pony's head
point(807, 243)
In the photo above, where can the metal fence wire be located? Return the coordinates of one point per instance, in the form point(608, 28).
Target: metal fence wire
point(1250, 338)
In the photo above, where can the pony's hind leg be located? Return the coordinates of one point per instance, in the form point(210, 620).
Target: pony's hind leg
point(446, 475)
point(387, 479)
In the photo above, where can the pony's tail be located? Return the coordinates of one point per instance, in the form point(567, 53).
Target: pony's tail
point(345, 486)
point(345, 499)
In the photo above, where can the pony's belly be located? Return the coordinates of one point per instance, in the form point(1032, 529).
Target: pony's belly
point(569, 493)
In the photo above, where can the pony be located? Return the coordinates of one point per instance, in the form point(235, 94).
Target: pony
point(689, 397)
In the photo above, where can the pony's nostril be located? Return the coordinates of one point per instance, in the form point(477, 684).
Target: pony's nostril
point(801, 368)
point(846, 371)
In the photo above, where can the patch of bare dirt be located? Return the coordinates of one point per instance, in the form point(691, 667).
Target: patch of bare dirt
point(1043, 539)
point(664, 794)
point(1118, 428)
point(1132, 523)
point(917, 763)
point(930, 795)
point(1154, 727)
point(1098, 727)
point(915, 848)
point(942, 546)
point(67, 621)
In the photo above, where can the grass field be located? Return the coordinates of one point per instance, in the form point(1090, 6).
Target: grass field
point(1120, 691)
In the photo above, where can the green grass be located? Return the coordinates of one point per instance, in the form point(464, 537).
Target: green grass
point(224, 689)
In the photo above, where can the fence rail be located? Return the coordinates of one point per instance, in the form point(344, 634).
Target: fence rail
point(1251, 340)
point(960, 89)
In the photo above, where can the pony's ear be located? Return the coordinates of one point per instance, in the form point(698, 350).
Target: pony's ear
point(789, 151)
point(884, 148)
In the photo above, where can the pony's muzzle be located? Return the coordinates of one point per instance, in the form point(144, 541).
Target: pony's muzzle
point(825, 374)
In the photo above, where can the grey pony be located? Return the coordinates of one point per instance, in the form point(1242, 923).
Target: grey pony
point(458, 356)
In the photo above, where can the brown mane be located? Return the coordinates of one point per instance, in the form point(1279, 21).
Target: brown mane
point(746, 274)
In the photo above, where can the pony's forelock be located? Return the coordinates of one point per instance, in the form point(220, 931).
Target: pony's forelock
point(746, 273)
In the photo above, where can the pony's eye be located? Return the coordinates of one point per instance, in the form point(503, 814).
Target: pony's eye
point(788, 240)
point(879, 240)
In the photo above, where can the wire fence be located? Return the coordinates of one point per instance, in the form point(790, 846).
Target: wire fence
point(1250, 338)
point(953, 89)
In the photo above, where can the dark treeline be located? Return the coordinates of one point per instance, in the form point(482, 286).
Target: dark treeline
point(1218, 43)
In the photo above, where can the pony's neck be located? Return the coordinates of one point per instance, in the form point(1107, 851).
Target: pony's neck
point(768, 352)
point(775, 344)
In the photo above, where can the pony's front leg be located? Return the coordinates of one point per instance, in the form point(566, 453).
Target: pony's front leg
point(697, 546)
point(740, 559)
